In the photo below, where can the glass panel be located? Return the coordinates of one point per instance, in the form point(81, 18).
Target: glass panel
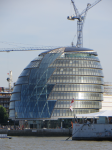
point(22, 80)
point(67, 112)
point(38, 58)
point(78, 87)
point(78, 71)
point(15, 96)
point(75, 79)
point(12, 105)
point(33, 64)
point(25, 72)
point(79, 55)
point(12, 113)
point(76, 63)
point(75, 95)
point(17, 88)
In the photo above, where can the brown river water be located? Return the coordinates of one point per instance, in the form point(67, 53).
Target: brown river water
point(52, 143)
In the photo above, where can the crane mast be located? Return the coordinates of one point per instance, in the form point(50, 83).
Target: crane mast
point(80, 21)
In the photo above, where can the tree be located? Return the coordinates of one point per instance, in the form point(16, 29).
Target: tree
point(3, 115)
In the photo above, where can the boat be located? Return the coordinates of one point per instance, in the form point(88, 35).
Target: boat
point(93, 126)
point(3, 136)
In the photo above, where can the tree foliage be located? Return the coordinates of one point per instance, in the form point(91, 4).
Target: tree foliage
point(3, 115)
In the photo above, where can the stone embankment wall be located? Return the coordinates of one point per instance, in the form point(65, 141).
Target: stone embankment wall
point(37, 132)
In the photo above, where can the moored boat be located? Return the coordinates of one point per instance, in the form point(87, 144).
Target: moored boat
point(93, 126)
point(3, 136)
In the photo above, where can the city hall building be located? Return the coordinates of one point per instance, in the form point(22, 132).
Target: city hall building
point(44, 90)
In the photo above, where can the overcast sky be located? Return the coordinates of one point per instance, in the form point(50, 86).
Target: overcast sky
point(25, 23)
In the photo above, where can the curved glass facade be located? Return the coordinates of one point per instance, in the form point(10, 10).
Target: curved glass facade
point(46, 87)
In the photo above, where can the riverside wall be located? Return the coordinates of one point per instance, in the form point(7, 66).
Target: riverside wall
point(37, 132)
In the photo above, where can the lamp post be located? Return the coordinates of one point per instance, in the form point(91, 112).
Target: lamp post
point(8, 123)
point(62, 123)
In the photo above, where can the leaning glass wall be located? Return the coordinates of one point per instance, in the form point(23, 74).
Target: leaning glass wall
point(46, 87)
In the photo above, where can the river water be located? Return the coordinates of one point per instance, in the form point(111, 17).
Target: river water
point(52, 143)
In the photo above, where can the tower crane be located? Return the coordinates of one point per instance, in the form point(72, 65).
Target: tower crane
point(80, 21)
point(29, 48)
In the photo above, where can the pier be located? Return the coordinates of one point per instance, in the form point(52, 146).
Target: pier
point(37, 132)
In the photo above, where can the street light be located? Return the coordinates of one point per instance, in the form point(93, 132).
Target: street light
point(8, 123)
